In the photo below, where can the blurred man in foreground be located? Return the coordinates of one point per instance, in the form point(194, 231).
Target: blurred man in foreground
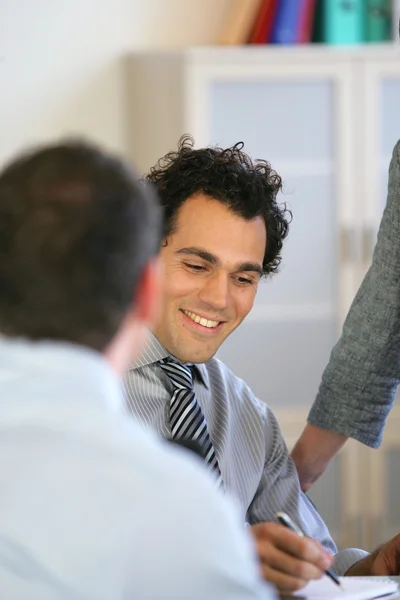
point(91, 506)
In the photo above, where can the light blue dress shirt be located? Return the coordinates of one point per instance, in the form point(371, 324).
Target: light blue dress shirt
point(94, 507)
point(252, 455)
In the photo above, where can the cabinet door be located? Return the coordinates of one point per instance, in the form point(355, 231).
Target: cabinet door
point(298, 118)
point(381, 132)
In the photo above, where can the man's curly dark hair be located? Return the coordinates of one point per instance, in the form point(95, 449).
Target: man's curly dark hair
point(248, 188)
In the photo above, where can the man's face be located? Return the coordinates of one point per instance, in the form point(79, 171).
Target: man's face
point(212, 264)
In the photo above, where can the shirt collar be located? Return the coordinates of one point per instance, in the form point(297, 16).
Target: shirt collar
point(155, 351)
point(75, 371)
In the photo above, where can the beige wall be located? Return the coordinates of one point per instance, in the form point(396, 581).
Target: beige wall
point(60, 61)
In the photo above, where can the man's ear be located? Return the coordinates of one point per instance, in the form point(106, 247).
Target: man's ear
point(147, 301)
point(141, 317)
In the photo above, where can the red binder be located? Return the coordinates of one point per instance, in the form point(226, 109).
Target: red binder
point(306, 21)
point(263, 26)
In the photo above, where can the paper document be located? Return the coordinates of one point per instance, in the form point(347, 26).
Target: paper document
point(355, 588)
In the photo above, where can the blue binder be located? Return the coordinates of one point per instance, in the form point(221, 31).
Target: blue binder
point(343, 21)
point(285, 29)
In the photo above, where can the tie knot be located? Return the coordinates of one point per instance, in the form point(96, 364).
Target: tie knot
point(180, 375)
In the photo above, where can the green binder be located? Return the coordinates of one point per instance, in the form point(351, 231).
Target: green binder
point(378, 20)
point(342, 21)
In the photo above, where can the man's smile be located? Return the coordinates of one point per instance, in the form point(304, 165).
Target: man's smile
point(200, 324)
point(202, 320)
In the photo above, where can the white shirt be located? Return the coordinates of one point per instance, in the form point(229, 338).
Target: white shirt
point(94, 507)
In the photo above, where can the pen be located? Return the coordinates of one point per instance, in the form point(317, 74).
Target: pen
point(285, 520)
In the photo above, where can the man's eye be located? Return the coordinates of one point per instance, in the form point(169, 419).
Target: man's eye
point(197, 268)
point(245, 280)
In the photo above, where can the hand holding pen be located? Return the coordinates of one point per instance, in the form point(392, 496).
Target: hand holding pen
point(285, 520)
point(289, 560)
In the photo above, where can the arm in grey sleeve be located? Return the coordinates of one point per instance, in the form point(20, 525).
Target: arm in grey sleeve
point(279, 490)
point(359, 384)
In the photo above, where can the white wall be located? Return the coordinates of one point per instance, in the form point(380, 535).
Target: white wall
point(61, 61)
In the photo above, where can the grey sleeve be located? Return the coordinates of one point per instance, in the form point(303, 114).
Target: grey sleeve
point(360, 381)
point(279, 490)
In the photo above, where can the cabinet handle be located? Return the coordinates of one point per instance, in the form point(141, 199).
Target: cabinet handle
point(368, 244)
point(348, 245)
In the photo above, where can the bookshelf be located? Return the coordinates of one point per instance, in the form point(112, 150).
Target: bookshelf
point(327, 118)
point(291, 22)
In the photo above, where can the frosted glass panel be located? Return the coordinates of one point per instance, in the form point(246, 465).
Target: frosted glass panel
point(308, 269)
point(390, 103)
point(274, 119)
point(393, 492)
point(387, 524)
point(390, 126)
point(282, 349)
point(282, 361)
point(327, 496)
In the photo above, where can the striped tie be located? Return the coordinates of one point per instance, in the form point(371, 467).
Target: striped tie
point(186, 417)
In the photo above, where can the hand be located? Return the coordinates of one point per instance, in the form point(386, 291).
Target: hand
point(288, 560)
point(313, 452)
point(385, 560)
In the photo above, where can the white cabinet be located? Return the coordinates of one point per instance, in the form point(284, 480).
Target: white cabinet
point(326, 119)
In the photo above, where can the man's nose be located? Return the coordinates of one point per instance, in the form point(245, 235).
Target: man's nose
point(215, 291)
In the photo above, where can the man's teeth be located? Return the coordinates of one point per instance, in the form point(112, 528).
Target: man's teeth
point(197, 319)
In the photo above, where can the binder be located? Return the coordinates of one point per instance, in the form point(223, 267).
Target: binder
point(343, 21)
point(377, 20)
point(307, 16)
point(318, 29)
point(240, 22)
point(286, 26)
point(262, 29)
point(395, 20)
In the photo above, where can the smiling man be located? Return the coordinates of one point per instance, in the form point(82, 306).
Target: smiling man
point(224, 231)
point(210, 287)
